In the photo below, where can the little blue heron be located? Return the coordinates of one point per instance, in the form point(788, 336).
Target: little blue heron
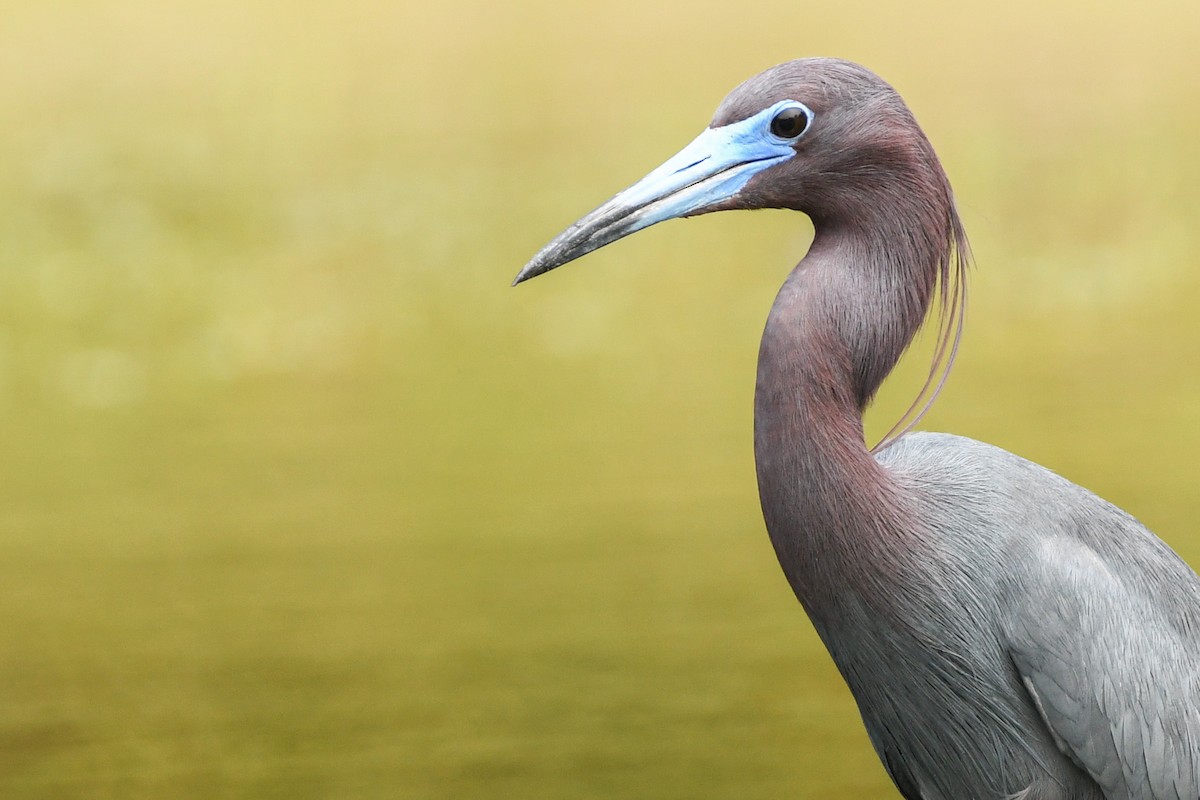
point(1005, 633)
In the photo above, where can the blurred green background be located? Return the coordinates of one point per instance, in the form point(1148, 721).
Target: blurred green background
point(299, 499)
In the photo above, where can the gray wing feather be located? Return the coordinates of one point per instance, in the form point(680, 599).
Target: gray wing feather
point(1105, 643)
point(1100, 620)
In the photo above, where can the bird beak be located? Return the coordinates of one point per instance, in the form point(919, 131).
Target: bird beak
point(710, 170)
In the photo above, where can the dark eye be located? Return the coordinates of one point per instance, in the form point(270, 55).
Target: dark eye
point(789, 123)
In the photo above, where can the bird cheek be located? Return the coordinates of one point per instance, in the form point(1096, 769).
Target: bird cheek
point(761, 192)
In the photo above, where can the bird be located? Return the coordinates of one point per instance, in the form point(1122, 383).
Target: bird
point(1006, 634)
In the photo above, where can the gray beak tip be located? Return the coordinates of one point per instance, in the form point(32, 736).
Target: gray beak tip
point(558, 252)
point(532, 270)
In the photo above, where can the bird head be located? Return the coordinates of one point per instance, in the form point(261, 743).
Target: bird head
point(821, 136)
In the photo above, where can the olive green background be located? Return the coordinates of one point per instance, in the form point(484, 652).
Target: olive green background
point(298, 499)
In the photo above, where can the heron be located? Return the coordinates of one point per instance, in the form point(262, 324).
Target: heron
point(1005, 633)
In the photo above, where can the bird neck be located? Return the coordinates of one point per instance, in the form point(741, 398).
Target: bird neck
point(838, 326)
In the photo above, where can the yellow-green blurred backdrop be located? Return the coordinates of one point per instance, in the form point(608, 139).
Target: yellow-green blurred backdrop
point(299, 499)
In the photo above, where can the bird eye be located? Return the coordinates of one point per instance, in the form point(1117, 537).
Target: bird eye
point(790, 123)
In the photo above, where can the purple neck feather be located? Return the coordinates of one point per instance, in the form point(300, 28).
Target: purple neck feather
point(838, 326)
